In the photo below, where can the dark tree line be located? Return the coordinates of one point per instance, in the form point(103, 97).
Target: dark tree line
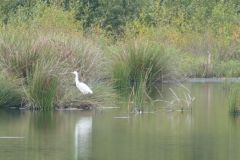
point(113, 15)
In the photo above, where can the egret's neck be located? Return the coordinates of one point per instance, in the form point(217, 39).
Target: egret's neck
point(76, 78)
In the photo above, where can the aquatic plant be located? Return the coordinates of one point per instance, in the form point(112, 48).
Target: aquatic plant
point(137, 68)
point(42, 89)
point(10, 94)
point(138, 98)
point(234, 99)
point(181, 100)
point(140, 61)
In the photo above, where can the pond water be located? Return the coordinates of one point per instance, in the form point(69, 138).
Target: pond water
point(209, 132)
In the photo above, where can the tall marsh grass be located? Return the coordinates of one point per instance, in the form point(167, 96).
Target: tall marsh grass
point(139, 98)
point(42, 88)
point(44, 61)
point(181, 100)
point(140, 61)
point(18, 55)
point(10, 93)
point(137, 68)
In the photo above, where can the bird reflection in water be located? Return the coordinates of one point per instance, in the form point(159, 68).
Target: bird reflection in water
point(83, 135)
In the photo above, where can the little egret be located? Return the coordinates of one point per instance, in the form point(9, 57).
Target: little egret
point(81, 86)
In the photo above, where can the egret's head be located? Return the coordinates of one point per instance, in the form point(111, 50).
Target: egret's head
point(75, 72)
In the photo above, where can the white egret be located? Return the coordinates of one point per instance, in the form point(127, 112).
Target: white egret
point(81, 86)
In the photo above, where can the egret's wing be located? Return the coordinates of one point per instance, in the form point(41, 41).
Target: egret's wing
point(84, 88)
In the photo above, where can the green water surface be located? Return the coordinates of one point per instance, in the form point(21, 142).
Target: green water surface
point(209, 132)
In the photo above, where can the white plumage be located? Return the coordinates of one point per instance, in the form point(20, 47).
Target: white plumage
point(81, 86)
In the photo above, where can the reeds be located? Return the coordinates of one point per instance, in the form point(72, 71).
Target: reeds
point(181, 100)
point(42, 89)
point(234, 99)
point(138, 98)
point(18, 55)
point(137, 68)
point(140, 61)
point(43, 62)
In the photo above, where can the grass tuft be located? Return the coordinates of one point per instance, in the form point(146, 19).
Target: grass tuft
point(42, 89)
point(138, 62)
point(234, 99)
point(10, 94)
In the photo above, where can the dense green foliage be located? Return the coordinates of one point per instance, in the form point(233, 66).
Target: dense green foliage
point(114, 16)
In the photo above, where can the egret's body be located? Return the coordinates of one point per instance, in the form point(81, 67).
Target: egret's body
point(81, 86)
